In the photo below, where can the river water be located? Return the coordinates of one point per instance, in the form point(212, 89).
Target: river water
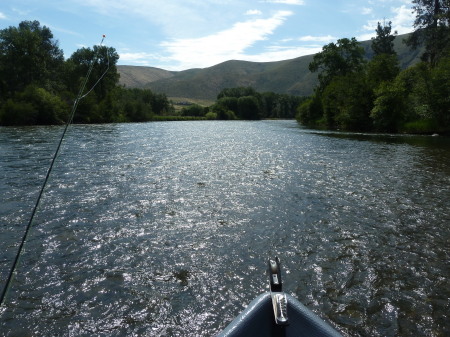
point(163, 229)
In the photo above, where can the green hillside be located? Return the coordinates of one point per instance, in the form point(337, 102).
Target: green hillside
point(136, 77)
point(285, 77)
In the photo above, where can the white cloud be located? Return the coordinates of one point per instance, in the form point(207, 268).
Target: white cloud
point(253, 12)
point(21, 12)
point(224, 45)
point(141, 58)
point(402, 22)
point(366, 11)
point(2, 16)
point(327, 38)
point(276, 53)
point(286, 2)
point(62, 30)
point(375, 2)
point(175, 18)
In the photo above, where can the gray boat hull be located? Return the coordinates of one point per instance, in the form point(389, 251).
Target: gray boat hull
point(258, 320)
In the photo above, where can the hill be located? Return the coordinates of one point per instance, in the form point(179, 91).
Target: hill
point(137, 77)
point(286, 77)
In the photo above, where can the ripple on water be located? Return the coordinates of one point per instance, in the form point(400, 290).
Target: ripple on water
point(164, 228)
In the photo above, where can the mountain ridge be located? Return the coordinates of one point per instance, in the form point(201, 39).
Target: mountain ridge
point(284, 77)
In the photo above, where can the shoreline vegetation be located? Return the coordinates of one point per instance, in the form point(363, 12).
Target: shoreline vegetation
point(38, 86)
point(354, 94)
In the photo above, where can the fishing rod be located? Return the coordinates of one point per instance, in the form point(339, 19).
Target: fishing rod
point(79, 97)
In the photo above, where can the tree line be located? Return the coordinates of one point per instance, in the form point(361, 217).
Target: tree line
point(246, 103)
point(37, 86)
point(358, 95)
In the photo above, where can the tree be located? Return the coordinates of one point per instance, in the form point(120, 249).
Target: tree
point(248, 107)
point(237, 92)
point(160, 104)
point(432, 27)
point(194, 110)
point(29, 55)
point(383, 43)
point(278, 105)
point(310, 112)
point(383, 67)
point(34, 105)
point(337, 59)
point(79, 63)
point(17, 113)
point(219, 111)
point(440, 96)
point(228, 103)
point(92, 108)
point(412, 102)
point(390, 105)
point(347, 102)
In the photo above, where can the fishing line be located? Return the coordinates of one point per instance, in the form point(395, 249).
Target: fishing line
point(80, 96)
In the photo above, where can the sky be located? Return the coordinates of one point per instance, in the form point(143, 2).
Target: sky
point(183, 34)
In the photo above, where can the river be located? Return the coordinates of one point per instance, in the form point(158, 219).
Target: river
point(163, 229)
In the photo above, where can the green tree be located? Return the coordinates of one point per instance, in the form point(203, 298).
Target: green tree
point(310, 112)
point(228, 103)
point(417, 82)
point(161, 105)
point(432, 27)
point(279, 105)
point(29, 55)
point(411, 102)
point(440, 95)
point(194, 110)
point(390, 105)
point(34, 105)
point(104, 58)
point(337, 59)
point(383, 67)
point(237, 92)
point(15, 112)
point(347, 102)
point(222, 113)
point(94, 107)
point(383, 43)
point(138, 105)
point(248, 108)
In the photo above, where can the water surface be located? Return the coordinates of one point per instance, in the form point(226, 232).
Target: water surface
point(163, 229)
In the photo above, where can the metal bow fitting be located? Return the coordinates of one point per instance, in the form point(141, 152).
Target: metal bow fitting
point(279, 299)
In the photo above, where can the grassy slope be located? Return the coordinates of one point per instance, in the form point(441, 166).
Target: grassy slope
point(136, 77)
point(288, 76)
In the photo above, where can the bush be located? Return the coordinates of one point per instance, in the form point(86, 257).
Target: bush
point(347, 102)
point(211, 115)
point(18, 113)
point(193, 110)
point(35, 106)
point(388, 113)
point(381, 68)
point(249, 108)
point(310, 112)
point(425, 126)
point(228, 103)
point(51, 109)
point(227, 115)
point(440, 79)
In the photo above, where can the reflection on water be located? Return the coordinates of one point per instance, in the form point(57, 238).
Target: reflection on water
point(164, 228)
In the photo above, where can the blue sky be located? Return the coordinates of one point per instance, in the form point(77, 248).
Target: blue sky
point(184, 34)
